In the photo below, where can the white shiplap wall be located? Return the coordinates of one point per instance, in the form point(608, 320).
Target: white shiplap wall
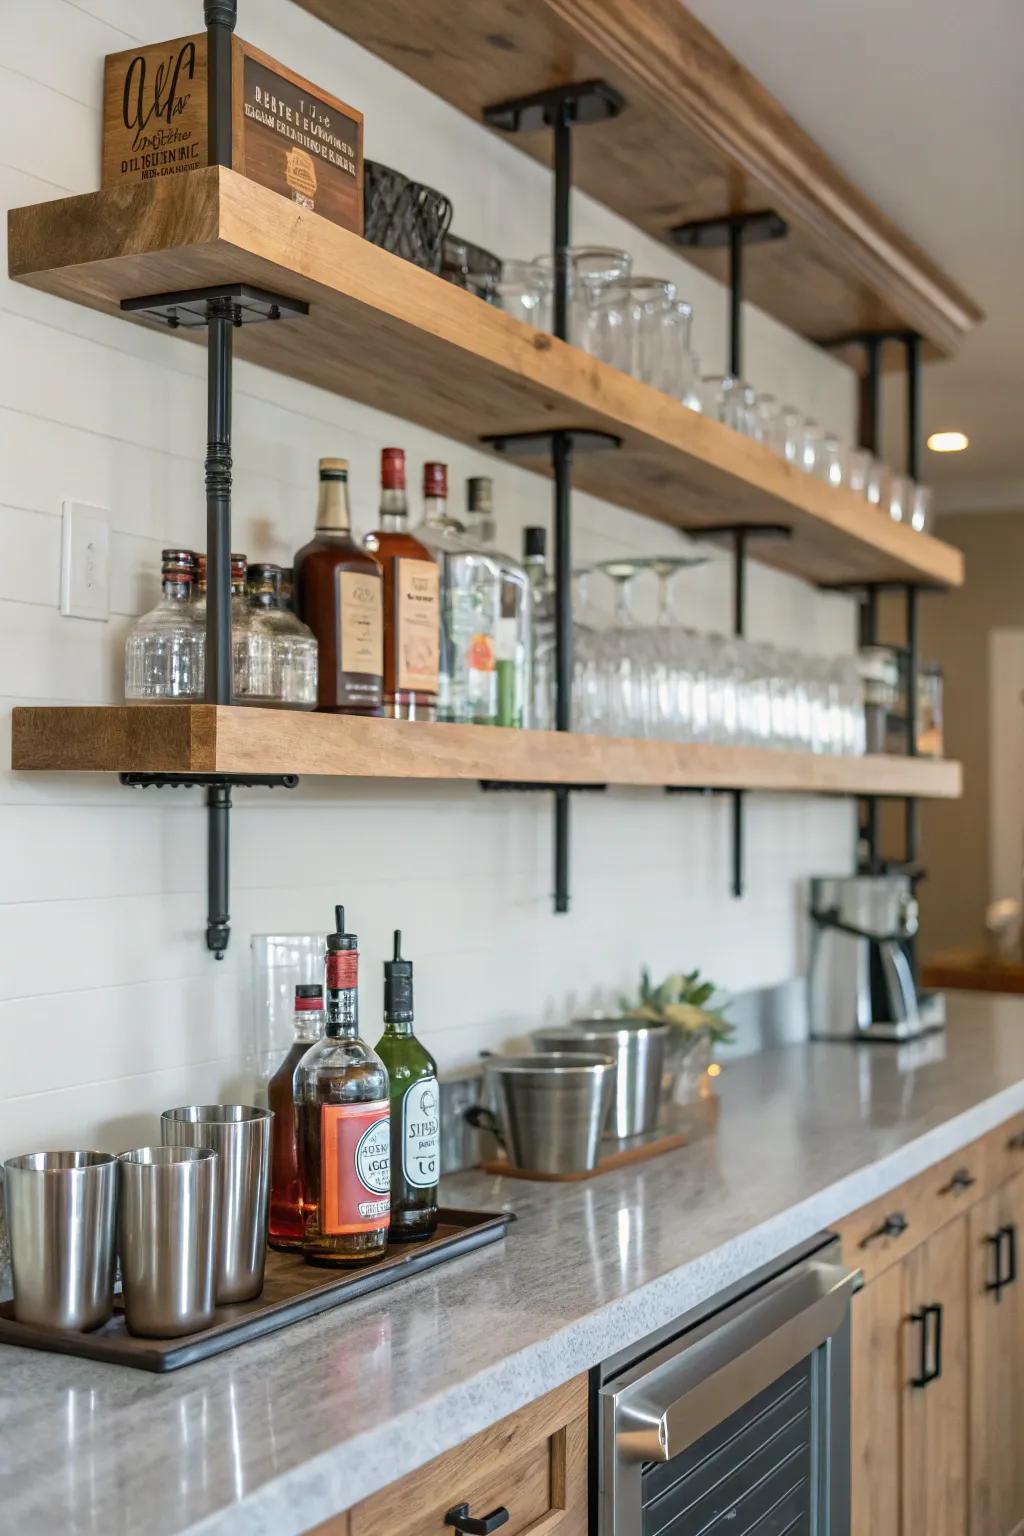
point(110, 1007)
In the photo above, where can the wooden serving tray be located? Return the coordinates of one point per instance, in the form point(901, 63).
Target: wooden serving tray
point(292, 1291)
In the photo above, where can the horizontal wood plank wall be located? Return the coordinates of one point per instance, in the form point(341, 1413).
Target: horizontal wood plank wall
point(389, 334)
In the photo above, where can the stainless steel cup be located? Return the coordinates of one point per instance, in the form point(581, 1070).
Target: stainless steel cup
point(167, 1239)
point(240, 1135)
point(638, 1050)
point(551, 1108)
point(61, 1212)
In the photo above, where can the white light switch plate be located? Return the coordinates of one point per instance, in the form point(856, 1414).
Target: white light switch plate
point(84, 561)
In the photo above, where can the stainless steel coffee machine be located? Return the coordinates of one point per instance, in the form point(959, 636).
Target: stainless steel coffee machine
point(861, 983)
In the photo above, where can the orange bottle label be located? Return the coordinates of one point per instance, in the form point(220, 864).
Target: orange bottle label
point(355, 1151)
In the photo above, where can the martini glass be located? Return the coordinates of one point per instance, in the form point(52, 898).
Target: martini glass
point(628, 683)
point(675, 658)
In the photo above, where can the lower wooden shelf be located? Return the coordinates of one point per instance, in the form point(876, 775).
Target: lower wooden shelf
point(206, 738)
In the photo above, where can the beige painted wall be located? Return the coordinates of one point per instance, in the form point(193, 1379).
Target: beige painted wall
point(955, 630)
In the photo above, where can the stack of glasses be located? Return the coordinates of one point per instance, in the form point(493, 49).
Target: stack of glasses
point(667, 682)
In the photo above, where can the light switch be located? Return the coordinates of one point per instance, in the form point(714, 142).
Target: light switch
point(84, 561)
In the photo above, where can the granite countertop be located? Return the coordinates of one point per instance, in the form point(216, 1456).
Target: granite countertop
point(278, 1435)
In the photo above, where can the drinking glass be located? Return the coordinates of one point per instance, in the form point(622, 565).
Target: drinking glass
point(766, 420)
point(901, 492)
point(730, 401)
point(876, 485)
point(810, 447)
point(672, 657)
point(828, 464)
point(922, 511)
point(785, 438)
point(598, 277)
point(627, 680)
point(650, 302)
point(524, 290)
point(681, 366)
point(589, 691)
point(858, 468)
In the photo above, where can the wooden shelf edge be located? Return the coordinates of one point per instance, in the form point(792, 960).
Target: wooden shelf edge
point(206, 739)
point(213, 224)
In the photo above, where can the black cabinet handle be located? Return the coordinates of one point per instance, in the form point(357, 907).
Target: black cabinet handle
point(963, 1178)
point(894, 1225)
point(1016, 1142)
point(930, 1369)
point(462, 1520)
point(995, 1247)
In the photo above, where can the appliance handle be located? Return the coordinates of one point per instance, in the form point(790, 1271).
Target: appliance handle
point(828, 917)
point(667, 1403)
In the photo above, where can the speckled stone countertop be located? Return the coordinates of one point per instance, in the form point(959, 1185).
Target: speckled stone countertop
point(278, 1435)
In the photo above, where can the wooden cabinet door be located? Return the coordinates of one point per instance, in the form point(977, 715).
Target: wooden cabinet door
point(876, 1330)
point(935, 1414)
point(997, 1364)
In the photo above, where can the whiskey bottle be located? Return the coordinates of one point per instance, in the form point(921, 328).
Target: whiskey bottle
point(338, 595)
point(415, 1108)
point(286, 1213)
point(163, 658)
point(344, 1115)
point(411, 601)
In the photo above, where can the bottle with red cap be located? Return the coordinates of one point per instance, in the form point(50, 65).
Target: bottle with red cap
point(345, 1119)
point(412, 601)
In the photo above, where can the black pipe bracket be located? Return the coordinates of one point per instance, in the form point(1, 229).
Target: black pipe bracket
point(582, 101)
point(189, 308)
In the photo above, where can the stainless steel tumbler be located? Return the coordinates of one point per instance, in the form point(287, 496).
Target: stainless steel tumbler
point(61, 1212)
point(167, 1235)
point(240, 1136)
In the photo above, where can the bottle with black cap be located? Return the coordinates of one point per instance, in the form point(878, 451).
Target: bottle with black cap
point(415, 1108)
point(344, 1112)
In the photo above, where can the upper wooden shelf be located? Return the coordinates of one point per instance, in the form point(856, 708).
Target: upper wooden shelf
point(204, 738)
point(386, 333)
point(700, 138)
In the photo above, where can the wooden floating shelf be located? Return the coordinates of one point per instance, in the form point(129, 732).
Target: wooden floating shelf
point(205, 738)
point(700, 137)
point(385, 333)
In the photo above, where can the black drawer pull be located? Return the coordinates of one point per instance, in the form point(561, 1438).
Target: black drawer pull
point(1016, 1142)
point(930, 1368)
point(462, 1520)
point(962, 1178)
point(1003, 1247)
point(995, 1247)
point(894, 1225)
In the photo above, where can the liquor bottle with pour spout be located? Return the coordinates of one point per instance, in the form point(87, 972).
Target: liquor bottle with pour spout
point(344, 1114)
point(415, 1108)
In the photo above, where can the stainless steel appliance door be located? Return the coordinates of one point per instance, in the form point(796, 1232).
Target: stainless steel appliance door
point(741, 1423)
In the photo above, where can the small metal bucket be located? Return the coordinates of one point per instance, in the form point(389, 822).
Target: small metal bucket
point(551, 1108)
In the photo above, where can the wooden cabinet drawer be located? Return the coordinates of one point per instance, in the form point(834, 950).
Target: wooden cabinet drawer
point(922, 1206)
point(1004, 1148)
point(534, 1464)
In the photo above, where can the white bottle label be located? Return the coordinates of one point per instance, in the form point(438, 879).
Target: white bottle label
point(421, 1134)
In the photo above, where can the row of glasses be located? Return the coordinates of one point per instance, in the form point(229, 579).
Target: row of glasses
point(668, 682)
point(637, 324)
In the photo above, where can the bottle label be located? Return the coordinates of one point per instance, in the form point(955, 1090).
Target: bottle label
point(417, 626)
point(355, 1173)
point(361, 623)
point(421, 1134)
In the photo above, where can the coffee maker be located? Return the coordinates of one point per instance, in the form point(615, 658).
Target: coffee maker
point(861, 982)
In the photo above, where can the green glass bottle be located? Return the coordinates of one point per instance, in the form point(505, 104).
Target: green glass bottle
point(415, 1109)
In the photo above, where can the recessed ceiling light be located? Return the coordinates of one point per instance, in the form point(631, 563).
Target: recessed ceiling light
point(947, 442)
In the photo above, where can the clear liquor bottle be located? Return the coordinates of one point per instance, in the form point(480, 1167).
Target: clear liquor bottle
point(163, 659)
point(542, 648)
point(338, 594)
point(411, 601)
point(415, 1108)
point(280, 665)
point(513, 630)
point(344, 1116)
point(287, 1217)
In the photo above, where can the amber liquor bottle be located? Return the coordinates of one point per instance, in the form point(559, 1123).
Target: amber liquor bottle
point(287, 1220)
point(412, 614)
point(344, 1116)
point(338, 593)
point(415, 1109)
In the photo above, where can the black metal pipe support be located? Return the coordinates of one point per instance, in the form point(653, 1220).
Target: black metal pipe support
point(218, 500)
point(220, 17)
point(912, 347)
point(218, 837)
point(736, 234)
point(870, 424)
point(561, 464)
